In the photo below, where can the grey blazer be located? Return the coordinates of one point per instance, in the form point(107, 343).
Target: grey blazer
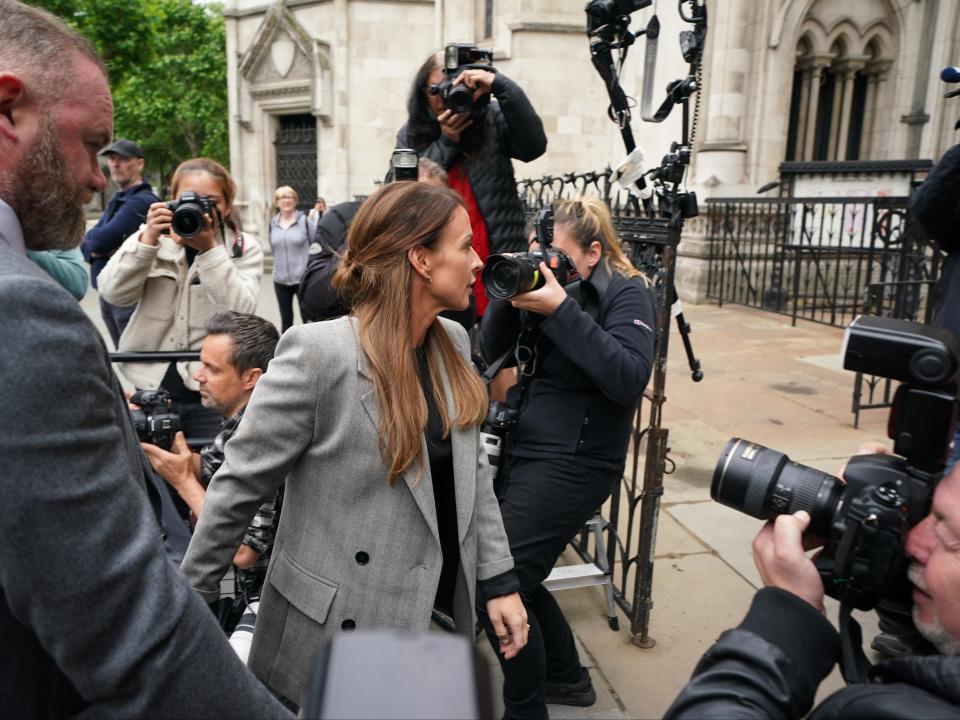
point(352, 551)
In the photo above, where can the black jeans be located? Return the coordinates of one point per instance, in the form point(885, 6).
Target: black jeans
point(285, 296)
point(546, 502)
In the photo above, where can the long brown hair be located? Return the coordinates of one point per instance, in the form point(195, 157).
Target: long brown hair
point(588, 219)
point(374, 278)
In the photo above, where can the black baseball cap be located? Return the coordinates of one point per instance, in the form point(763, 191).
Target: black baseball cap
point(123, 148)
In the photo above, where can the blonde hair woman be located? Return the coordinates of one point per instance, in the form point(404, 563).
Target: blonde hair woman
point(587, 358)
point(178, 283)
point(373, 419)
point(290, 235)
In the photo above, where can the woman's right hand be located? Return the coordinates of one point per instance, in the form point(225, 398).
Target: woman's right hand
point(453, 125)
point(159, 217)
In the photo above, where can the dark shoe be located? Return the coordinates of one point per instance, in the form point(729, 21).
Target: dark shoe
point(580, 694)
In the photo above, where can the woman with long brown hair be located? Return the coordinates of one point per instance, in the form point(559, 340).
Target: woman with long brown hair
point(373, 419)
point(586, 357)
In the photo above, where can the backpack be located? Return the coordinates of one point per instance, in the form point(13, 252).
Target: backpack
point(318, 299)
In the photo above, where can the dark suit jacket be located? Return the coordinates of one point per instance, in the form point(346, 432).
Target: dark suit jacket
point(124, 214)
point(94, 618)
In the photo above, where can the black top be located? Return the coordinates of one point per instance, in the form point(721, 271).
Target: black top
point(772, 664)
point(440, 453)
point(588, 374)
point(936, 204)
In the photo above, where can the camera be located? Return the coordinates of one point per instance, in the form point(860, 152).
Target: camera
point(405, 163)
point(500, 418)
point(866, 517)
point(458, 57)
point(188, 212)
point(604, 12)
point(152, 420)
point(506, 275)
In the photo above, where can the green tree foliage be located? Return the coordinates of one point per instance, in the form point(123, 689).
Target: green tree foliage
point(167, 65)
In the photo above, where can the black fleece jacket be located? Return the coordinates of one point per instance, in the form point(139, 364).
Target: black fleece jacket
point(513, 130)
point(936, 204)
point(588, 375)
point(773, 663)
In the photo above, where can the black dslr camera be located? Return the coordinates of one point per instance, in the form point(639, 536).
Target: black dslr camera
point(458, 57)
point(865, 518)
point(605, 12)
point(509, 274)
point(188, 213)
point(500, 418)
point(152, 420)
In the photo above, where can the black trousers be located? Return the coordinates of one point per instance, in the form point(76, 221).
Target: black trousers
point(285, 296)
point(545, 504)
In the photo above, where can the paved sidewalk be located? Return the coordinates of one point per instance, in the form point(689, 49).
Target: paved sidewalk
point(766, 381)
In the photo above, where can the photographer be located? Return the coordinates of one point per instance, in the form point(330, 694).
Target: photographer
point(234, 356)
point(771, 665)
point(585, 368)
point(180, 282)
point(475, 149)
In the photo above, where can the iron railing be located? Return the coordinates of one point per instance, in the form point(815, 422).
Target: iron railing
point(826, 260)
point(630, 516)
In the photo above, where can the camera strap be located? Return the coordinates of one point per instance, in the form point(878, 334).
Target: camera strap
point(854, 665)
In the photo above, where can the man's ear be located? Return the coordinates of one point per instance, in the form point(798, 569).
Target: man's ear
point(250, 377)
point(13, 95)
point(419, 258)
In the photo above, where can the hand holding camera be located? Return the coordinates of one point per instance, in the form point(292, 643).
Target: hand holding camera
point(480, 81)
point(174, 465)
point(188, 221)
point(779, 552)
point(452, 125)
point(544, 300)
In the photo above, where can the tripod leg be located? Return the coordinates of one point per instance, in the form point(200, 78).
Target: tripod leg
point(684, 327)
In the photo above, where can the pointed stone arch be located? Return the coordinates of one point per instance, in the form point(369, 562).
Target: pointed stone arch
point(285, 67)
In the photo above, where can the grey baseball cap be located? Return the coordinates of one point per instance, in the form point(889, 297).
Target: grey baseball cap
point(123, 148)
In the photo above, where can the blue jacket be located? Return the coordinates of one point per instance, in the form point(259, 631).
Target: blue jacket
point(125, 212)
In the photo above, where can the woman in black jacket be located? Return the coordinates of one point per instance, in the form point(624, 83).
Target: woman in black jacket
point(476, 150)
point(585, 365)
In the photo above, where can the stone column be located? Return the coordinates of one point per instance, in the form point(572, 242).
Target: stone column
point(801, 111)
point(847, 69)
point(876, 73)
point(818, 63)
point(723, 152)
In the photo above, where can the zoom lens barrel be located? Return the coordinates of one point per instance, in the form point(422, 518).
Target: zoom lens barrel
point(507, 275)
point(187, 220)
point(765, 483)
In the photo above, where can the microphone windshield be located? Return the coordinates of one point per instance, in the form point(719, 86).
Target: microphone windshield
point(950, 74)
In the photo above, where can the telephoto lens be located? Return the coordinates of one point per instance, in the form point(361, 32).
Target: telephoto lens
point(508, 274)
point(765, 483)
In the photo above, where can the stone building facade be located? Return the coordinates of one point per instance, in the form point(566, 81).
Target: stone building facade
point(318, 88)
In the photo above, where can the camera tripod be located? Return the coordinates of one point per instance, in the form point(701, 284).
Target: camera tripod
point(660, 215)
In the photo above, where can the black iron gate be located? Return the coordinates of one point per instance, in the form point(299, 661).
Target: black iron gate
point(296, 147)
point(826, 260)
